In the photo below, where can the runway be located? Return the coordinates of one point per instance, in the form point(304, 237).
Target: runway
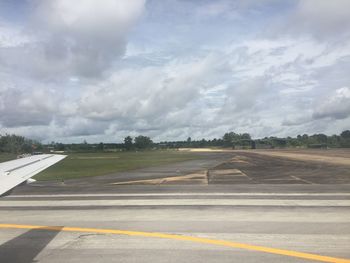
point(289, 219)
point(225, 207)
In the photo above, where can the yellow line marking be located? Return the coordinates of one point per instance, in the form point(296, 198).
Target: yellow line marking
point(224, 243)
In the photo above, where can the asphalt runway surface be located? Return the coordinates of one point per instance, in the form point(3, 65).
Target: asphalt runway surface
point(226, 219)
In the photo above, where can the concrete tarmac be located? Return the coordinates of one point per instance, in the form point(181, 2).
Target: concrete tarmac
point(320, 227)
point(225, 220)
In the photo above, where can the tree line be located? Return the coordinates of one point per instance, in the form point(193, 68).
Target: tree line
point(10, 143)
point(244, 141)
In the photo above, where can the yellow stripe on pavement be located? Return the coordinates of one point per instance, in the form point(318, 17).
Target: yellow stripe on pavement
point(224, 243)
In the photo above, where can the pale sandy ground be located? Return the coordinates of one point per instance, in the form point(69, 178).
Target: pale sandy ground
point(332, 156)
point(325, 156)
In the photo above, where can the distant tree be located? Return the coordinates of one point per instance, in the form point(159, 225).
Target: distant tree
point(333, 141)
point(143, 142)
point(321, 138)
point(100, 146)
point(27, 147)
point(246, 136)
point(12, 143)
point(293, 142)
point(187, 143)
point(229, 139)
point(128, 143)
point(203, 143)
point(59, 147)
point(345, 139)
point(84, 146)
point(278, 142)
point(305, 138)
point(345, 134)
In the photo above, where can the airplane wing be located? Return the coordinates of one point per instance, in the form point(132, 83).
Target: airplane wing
point(15, 172)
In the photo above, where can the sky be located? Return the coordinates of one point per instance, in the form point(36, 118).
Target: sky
point(171, 69)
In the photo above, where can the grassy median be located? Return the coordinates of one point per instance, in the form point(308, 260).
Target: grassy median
point(7, 157)
point(77, 165)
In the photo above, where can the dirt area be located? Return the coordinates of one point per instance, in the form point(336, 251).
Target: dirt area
point(289, 167)
point(234, 167)
point(332, 156)
point(199, 177)
point(324, 152)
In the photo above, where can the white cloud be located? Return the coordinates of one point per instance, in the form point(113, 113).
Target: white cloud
point(337, 106)
point(24, 108)
point(149, 92)
point(198, 96)
point(221, 8)
point(72, 79)
point(80, 37)
point(12, 36)
point(322, 19)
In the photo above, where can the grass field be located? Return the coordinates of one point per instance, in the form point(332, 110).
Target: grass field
point(7, 157)
point(79, 165)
